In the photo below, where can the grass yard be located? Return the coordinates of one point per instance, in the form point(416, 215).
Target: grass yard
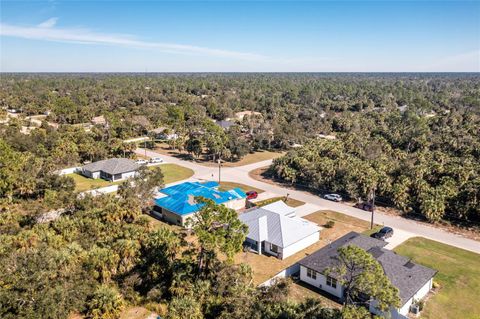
point(265, 267)
point(174, 173)
point(255, 157)
point(458, 276)
point(171, 172)
point(250, 158)
point(343, 224)
point(83, 183)
point(300, 291)
point(292, 202)
point(225, 186)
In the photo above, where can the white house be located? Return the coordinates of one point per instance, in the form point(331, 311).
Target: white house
point(113, 169)
point(163, 133)
point(281, 208)
point(413, 281)
point(274, 230)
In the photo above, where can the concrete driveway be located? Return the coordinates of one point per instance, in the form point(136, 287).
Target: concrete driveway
point(403, 228)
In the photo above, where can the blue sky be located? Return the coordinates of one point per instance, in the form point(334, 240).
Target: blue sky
point(283, 36)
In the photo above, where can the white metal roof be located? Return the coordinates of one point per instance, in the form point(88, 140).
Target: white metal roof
point(280, 208)
point(278, 229)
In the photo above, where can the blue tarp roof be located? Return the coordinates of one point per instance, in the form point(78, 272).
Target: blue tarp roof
point(181, 197)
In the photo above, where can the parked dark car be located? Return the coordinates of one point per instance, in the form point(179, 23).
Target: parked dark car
point(384, 233)
point(365, 206)
point(251, 194)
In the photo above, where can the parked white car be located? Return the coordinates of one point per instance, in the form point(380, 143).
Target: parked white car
point(141, 162)
point(333, 197)
point(156, 160)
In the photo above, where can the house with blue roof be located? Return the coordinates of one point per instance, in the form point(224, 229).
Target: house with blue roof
point(178, 203)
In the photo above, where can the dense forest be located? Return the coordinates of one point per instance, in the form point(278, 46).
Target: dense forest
point(414, 139)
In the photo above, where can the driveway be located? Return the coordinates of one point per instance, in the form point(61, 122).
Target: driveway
point(405, 228)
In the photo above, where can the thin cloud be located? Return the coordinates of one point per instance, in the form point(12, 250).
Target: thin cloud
point(50, 23)
point(46, 31)
point(463, 62)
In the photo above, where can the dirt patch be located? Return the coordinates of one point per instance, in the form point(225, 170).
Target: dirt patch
point(265, 267)
point(342, 224)
point(135, 313)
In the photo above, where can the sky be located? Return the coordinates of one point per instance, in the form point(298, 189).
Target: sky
point(243, 36)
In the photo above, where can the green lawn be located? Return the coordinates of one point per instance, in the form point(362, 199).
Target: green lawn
point(171, 173)
point(292, 202)
point(255, 157)
point(375, 229)
point(458, 276)
point(83, 183)
point(225, 186)
point(174, 173)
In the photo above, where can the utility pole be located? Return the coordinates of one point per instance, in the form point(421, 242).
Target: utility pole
point(219, 169)
point(373, 207)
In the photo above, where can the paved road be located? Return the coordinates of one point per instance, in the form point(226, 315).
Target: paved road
point(404, 228)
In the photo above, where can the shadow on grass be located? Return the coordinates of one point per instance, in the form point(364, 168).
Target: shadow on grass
point(319, 291)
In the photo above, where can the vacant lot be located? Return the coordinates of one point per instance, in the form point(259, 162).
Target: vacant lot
point(225, 186)
point(458, 276)
point(292, 202)
point(343, 224)
point(255, 157)
point(250, 158)
point(83, 183)
point(265, 267)
point(174, 173)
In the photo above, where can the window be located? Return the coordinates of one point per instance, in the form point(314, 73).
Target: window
point(273, 248)
point(311, 273)
point(332, 282)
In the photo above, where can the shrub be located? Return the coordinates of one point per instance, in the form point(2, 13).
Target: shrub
point(421, 304)
point(330, 224)
point(105, 303)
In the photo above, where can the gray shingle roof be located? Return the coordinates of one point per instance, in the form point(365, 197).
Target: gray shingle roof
point(404, 274)
point(407, 276)
point(112, 166)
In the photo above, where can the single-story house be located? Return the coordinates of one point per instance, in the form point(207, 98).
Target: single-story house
point(273, 229)
point(113, 169)
point(413, 281)
point(163, 133)
point(177, 203)
point(281, 208)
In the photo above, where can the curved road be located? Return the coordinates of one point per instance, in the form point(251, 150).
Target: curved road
point(404, 228)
